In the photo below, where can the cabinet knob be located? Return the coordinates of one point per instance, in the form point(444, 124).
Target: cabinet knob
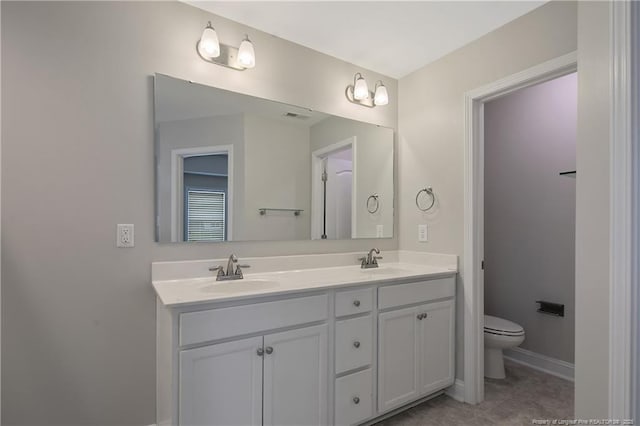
point(419, 317)
point(260, 352)
point(269, 350)
point(356, 344)
point(356, 303)
point(356, 400)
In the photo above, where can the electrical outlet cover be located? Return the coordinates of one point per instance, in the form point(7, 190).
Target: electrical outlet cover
point(422, 233)
point(124, 235)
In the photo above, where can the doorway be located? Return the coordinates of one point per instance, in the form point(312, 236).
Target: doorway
point(529, 228)
point(333, 191)
point(472, 272)
point(202, 193)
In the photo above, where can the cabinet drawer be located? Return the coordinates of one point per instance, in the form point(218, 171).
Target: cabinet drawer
point(354, 340)
point(354, 398)
point(354, 301)
point(214, 324)
point(418, 292)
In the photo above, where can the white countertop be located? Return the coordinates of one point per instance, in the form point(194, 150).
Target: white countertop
point(188, 291)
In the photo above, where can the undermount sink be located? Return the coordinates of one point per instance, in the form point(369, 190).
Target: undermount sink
point(383, 271)
point(226, 287)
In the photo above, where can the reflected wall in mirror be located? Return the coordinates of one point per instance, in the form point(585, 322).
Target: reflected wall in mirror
point(232, 167)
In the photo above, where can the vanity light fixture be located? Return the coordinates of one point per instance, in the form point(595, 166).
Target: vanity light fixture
point(246, 53)
point(381, 97)
point(358, 93)
point(211, 50)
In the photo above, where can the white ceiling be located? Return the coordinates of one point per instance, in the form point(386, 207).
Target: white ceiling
point(393, 38)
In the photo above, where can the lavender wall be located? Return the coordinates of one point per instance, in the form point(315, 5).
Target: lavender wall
point(530, 136)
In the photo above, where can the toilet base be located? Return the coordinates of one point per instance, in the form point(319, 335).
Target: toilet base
point(493, 363)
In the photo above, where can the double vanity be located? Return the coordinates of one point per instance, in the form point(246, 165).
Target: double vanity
point(300, 342)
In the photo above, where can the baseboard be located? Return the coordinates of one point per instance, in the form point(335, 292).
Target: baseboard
point(553, 366)
point(456, 390)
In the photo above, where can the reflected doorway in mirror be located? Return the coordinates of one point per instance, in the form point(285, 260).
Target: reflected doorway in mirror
point(333, 191)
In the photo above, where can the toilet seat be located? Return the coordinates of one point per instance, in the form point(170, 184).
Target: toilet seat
point(501, 327)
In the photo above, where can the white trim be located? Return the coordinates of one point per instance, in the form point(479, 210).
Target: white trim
point(546, 364)
point(621, 183)
point(635, 242)
point(456, 391)
point(177, 196)
point(317, 157)
point(472, 276)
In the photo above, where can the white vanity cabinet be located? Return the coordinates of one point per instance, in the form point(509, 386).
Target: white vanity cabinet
point(203, 401)
point(278, 379)
point(260, 363)
point(333, 356)
point(416, 343)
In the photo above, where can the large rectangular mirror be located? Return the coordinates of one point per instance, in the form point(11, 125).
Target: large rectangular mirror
point(232, 167)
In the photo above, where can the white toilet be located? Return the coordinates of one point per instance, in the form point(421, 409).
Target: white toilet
point(499, 334)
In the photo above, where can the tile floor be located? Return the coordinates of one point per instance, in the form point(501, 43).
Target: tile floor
point(525, 394)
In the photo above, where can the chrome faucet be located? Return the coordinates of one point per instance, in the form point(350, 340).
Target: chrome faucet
point(370, 261)
point(230, 274)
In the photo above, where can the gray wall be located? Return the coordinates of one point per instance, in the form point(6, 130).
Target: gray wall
point(592, 213)
point(78, 322)
point(529, 234)
point(431, 125)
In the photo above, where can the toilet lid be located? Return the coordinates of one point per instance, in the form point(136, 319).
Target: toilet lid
point(501, 326)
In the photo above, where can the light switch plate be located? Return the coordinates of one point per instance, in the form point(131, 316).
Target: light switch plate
point(124, 235)
point(422, 233)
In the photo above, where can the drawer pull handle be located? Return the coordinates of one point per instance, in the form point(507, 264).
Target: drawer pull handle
point(356, 400)
point(356, 344)
point(260, 352)
point(356, 303)
point(269, 350)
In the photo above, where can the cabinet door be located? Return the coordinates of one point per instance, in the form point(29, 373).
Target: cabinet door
point(397, 358)
point(221, 384)
point(436, 346)
point(295, 377)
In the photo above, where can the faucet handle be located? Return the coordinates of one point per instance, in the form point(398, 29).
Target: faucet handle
point(239, 268)
point(218, 268)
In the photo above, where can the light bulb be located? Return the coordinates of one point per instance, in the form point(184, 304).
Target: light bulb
point(360, 89)
point(209, 44)
point(246, 54)
point(381, 97)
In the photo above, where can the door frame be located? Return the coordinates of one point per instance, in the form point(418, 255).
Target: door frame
point(317, 157)
point(472, 276)
point(624, 229)
point(177, 193)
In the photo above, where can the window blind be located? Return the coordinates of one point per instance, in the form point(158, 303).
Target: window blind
point(205, 215)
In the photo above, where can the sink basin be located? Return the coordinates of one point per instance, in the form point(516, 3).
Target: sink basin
point(381, 270)
point(239, 286)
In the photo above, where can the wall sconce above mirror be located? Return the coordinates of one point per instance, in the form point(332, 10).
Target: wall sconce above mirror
point(358, 93)
point(211, 50)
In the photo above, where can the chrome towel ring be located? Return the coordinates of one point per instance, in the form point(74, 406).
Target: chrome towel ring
point(373, 207)
point(428, 191)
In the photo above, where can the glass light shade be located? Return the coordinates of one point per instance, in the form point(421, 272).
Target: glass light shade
point(209, 44)
point(360, 89)
point(246, 54)
point(381, 97)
